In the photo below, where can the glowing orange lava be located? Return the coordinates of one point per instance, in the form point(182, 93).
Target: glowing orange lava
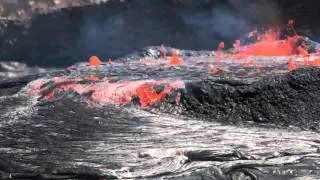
point(248, 63)
point(215, 70)
point(175, 59)
point(109, 93)
point(221, 46)
point(148, 95)
point(292, 65)
point(94, 61)
point(269, 45)
point(315, 63)
point(149, 92)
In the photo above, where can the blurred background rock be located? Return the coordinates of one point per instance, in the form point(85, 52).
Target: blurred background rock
point(24, 9)
point(119, 27)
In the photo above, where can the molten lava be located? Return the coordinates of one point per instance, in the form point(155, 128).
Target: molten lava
point(175, 59)
point(248, 63)
point(302, 51)
point(148, 92)
point(94, 61)
point(103, 90)
point(315, 63)
point(215, 70)
point(221, 46)
point(148, 95)
point(269, 45)
point(292, 65)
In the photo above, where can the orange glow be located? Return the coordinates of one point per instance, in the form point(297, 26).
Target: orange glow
point(219, 53)
point(302, 52)
point(269, 45)
point(221, 45)
point(148, 95)
point(93, 78)
point(175, 59)
point(48, 96)
point(115, 90)
point(241, 56)
point(94, 61)
point(248, 63)
point(315, 63)
point(226, 56)
point(110, 93)
point(292, 65)
point(306, 60)
point(215, 70)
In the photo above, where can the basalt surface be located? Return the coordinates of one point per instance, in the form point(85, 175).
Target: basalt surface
point(154, 113)
point(142, 117)
point(231, 91)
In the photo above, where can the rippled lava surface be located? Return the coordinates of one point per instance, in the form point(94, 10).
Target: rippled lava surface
point(71, 138)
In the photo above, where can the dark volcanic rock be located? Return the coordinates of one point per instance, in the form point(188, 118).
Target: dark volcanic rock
point(67, 138)
point(290, 99)
point(235, 95)
point(117, 28)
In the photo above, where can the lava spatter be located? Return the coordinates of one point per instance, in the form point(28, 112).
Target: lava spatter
point(176, 59)
point(104, 93)
point(122, 83)
point(94, 61)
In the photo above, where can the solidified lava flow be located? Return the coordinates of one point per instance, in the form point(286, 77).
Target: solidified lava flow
point(170, 113)
point(176, 79)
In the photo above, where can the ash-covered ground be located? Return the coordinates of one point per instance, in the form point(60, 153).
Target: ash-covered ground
point(248, 112)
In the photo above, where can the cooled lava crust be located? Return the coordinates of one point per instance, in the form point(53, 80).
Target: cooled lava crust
point(54, 123)
point(262, 91)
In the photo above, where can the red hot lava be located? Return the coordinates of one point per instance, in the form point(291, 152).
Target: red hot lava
point(269, 45)
point(110, 93)
point(150, 92)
